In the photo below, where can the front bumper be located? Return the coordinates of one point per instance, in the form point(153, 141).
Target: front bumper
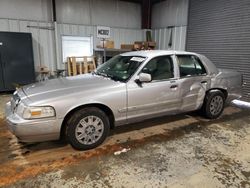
point(32, 130)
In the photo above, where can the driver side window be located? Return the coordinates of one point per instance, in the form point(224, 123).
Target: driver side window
point(160, 68)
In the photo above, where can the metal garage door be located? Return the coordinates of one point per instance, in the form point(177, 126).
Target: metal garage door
point(220, 29)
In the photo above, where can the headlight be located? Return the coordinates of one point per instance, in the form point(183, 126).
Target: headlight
point(38, 112)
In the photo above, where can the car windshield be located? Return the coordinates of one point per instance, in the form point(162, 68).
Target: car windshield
point(120, 68)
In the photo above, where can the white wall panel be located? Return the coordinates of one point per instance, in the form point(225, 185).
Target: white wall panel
point(170, 13)
point(113, 13)
point(119, 14)
point(162, 36)
point(104, 13)
point(74, 12)
point(39, 10)
point(4, 25)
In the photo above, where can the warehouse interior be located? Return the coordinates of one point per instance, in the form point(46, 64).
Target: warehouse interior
point(45, 39)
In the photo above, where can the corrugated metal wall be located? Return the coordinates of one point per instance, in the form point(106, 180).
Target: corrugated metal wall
point(39, 10)
point(76, 17)
point(162, 38)
point(167, 14)
point(170, 13)
point(113, 13)
point(220, 29)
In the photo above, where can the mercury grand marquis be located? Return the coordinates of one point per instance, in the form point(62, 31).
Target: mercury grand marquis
point(130, 87)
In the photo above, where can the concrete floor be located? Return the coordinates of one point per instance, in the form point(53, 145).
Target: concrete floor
point(179, 151)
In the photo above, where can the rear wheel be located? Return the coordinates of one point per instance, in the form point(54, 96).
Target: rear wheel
point(213, 104)
point(87, 128)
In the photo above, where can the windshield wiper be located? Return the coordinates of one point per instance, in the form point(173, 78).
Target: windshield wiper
point(100, 74)
point(113, 77)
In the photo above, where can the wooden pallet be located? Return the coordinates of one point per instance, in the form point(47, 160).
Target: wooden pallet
point(80, 65)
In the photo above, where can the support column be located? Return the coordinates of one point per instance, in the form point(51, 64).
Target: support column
point(146, 12)
point(53, 2)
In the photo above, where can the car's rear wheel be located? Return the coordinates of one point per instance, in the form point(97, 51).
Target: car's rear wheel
point(213, 104)
point(87, 128)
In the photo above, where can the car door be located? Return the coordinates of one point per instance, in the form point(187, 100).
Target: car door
point(194, 82)
point(158, 97)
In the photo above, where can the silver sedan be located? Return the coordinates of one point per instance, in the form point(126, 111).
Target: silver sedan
point(130, 87)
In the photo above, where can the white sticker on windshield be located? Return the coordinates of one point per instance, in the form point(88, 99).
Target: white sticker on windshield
point(139, 59)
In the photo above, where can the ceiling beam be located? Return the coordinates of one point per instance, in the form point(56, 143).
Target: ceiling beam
point(53, 2)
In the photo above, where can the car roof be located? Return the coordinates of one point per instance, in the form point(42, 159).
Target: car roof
point(154, 53)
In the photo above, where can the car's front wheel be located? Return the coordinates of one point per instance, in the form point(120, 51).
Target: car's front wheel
point(87, 128)
point(213, 104)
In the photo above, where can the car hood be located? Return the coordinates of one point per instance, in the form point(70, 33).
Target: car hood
point(68, 85)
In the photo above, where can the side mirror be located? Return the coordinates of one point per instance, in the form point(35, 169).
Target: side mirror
point(144, 77)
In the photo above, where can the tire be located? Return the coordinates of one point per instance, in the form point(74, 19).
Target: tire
point(87, 128)
point(213, 105)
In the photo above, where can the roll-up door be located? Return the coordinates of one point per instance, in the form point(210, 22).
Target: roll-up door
point(220, 29)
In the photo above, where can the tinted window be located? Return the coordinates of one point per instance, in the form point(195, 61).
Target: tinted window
point(160, 68)
point(190, 66)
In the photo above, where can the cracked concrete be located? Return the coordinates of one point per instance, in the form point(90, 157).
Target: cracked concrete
point(179, 151)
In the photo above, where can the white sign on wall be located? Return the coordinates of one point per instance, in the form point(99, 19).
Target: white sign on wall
point(75, 46)
point(103, 32)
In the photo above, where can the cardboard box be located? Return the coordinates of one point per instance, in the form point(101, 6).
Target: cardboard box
point(107, 44)
point(110, 44)
point(127, 46)
point(151, 44)
point(144, 45)
point(138, 45)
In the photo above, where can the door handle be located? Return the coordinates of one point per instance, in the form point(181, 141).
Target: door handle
point(173, 86)
point(203, 82)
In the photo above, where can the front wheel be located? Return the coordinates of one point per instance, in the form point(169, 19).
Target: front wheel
point(87, 128)
point(213, 104)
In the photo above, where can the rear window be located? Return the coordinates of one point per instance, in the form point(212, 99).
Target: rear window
point(190, 65)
